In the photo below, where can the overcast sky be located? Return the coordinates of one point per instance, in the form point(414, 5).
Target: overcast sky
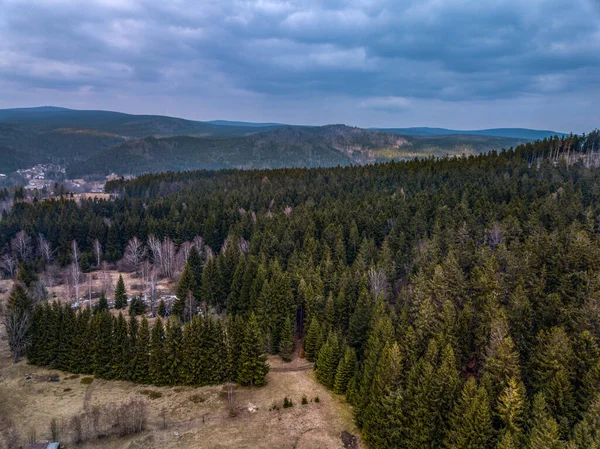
point(450, 63)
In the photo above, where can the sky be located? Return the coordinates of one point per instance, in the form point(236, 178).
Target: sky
point(464, 64)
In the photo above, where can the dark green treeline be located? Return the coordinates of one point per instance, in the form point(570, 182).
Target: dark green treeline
point(204, 351)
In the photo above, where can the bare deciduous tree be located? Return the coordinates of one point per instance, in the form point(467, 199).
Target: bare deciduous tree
point(75, 268)
point(9, 265)
point(153, 282)
point(16, 324)
point(378, 281)
point(106, 283)
point(97, 252)
point(182, 255)
point(21, 245)
point(135, 252)
point(44, 248)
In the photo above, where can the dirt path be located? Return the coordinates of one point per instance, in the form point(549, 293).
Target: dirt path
point(199, 415)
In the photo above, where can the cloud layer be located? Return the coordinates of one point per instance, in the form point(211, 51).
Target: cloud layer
point(462, 63)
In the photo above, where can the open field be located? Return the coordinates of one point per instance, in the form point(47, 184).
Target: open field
point(200, 416)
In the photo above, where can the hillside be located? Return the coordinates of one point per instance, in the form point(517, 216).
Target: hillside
point(282, 147)
point(517, 133)
point(91, 142)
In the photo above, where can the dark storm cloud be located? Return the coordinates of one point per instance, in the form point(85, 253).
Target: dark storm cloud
point(383, 54)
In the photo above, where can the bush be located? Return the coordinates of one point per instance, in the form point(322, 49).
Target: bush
point(304, 400)
point(317, 400)
point(197, 399)
point(87, 380)
point(152, 394)
point(287, 403)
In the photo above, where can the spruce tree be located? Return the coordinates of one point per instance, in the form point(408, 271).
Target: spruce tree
point(327, 361)
point(345, 371)
point(140, 372)
point(102, 304)
point(102, 328)
point(544, 433)
point(471, 419)
point(120, 349)
point(286, 343)
point(253, 363)
point(157, 360)
point(314, 335)
point(186, 287)
point(120, 294)
point(162, 308)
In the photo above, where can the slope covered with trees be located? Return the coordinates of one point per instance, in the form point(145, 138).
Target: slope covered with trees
point(454, 302)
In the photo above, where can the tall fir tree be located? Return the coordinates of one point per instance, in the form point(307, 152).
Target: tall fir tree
point(253, 363)
point(120, 294)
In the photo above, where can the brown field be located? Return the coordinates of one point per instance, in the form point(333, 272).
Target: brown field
point(200, 416)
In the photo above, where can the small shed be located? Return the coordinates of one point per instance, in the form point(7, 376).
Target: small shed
point(53, 445)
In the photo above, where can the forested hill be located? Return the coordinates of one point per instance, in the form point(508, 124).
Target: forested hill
point(323, 146)
point(100, 142)
point(454, 302)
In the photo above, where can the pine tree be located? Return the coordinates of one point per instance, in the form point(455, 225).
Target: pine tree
point(314, 335)
point(286, 344)
point(544, 433)
point(102, 328)
point(120, 349)
point(345, 371)
point(187, 286)
point(253, 363)
point(120, 294)
point(162, 308)
point(102, 304)
point(157, 361)
point(385, 381)
point(327, 361)
point(511, 409)
point(471, 420)
point(359, 323)
point(140, 372)
point(173, 353)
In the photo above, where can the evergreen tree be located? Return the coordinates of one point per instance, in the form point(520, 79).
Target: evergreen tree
point(346, 369)
point(253, 363)
point(120, 294)
point(102, 304)
point(544, 433)
point(314, 335)
point(140, 373)
point(286, 343)
point(328, 360)
point(157, 361)
point(162, 308)
point(471, 420)
point(102, 328)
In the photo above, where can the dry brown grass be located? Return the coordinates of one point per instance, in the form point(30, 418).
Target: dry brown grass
point(199, 415)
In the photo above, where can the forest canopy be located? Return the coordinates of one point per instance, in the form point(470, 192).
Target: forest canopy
point(454, 302)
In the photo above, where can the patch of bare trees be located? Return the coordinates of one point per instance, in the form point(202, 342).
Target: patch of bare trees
point(9, 265)
point(378, 282)
point(120, 420)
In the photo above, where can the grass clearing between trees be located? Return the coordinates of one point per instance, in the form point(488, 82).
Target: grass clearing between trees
point(199, 416)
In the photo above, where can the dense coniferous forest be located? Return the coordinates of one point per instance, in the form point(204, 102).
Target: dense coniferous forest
point(454, 302)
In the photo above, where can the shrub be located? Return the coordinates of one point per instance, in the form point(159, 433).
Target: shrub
point(317, 400)
point(304, 400)
point(197, 399)
point(152, 394)
point(287, 403)
point(87, 380)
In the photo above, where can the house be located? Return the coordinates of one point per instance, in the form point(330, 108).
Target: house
point(54, 445)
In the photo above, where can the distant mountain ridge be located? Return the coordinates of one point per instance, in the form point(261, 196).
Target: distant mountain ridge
point(92, 142)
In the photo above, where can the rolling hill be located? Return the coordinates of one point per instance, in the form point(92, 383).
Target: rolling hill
point(90, 142)
point(283, 147)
